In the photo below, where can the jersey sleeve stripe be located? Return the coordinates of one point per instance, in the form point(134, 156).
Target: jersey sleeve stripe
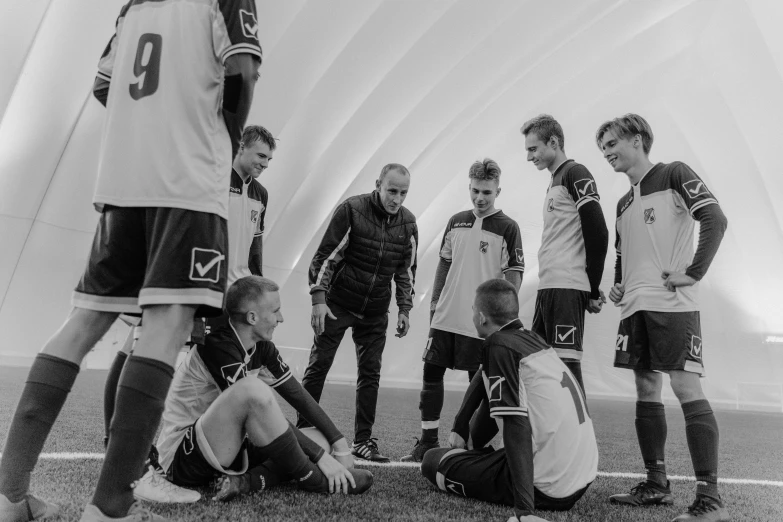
point(585, 200)
point(287, 375)
point(242, 48)
point(514, 269)
point(499, 411)
point(701, 204)
point(103, 76)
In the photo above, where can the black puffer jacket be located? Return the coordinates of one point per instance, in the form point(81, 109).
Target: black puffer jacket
point(362, 250)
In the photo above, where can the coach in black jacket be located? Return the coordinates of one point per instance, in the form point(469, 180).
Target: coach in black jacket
point(370, 240)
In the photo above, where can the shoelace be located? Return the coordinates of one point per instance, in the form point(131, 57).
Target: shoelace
point(701, 506)
point(643, 487)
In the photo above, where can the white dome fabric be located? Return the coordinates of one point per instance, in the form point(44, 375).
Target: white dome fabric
point(350, 85)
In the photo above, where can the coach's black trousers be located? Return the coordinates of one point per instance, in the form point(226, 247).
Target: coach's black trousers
point(369, 336)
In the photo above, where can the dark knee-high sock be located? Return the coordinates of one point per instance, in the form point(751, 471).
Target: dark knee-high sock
point(701, 430)
point(141, 394)
point(265, 476)
point(651, 431)
point(110, 392)
point(48, 383)
point(286, 452)
point(430, 405)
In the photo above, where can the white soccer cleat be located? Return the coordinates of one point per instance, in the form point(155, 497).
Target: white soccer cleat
point(30, 508)
point(154, 487)
point(136, 513)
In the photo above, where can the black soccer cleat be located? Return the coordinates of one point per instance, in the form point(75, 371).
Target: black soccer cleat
point(419, 449)
point(368, 450)
point(363, 479)
point(645, 493)
point(705, 509)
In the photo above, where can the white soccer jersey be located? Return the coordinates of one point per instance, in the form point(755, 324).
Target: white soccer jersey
point(165, 143)
point(655, 228)
point(246, 211)
point(561, 258)
point(479, 249)
point(523, 376)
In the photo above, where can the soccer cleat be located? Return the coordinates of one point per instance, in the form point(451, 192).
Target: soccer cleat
point(705, 509)
point(229, 487)
point(154, 487)
point(29, 508)
point(419, 449)
point(645, 493)
point(368, 450)
point(363, 479)
point(136, 513)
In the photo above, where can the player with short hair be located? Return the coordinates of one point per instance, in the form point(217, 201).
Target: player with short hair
point(221, 418)
point(370, 241)
point(656, 276)
point(478, 244)
point(550, 456)
point(573, 248)
point(247, 205)
point(161, 240)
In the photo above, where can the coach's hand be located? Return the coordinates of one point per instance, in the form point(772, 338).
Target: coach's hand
point(616, 293)
point(318, 318)
point(337, 474)
point(672, 279)
point(594, 305)
point(403, 323)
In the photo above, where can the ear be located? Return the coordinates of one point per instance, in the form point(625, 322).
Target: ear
point(498, 192)
point(482, 318)
point(377, 184)
point(251, 317)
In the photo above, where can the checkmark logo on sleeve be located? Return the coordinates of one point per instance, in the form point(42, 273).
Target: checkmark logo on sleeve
point(585, 187)
point(565, 334)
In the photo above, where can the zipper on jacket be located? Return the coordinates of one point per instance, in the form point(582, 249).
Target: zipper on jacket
point(377, 264)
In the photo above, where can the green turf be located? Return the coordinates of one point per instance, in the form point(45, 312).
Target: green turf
point(751, 447)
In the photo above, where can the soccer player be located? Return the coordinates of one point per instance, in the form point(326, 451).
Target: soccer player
point(247, 205)
point(370, 240)
point(160, 244)
point(573, 244)
point(221, 417)
point(656, 276)
point(478, 244)
point(550, 457)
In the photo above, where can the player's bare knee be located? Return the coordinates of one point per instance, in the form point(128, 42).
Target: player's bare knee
point(686, 386)
point(253, 394)
point(648, 386)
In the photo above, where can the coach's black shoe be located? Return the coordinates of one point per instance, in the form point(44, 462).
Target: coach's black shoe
point(368, 450)
point(645, 493)
point(705, 509)
point(419, 449)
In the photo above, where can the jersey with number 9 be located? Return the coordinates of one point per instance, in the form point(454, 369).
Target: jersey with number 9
point(524, 376)
point(165, 143)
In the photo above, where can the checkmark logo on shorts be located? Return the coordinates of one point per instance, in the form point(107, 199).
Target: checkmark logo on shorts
point(696, 347)
point(205, 264)
point(565, 334)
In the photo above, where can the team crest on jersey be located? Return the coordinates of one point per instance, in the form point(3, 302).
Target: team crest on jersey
point(696, 347)
point(649, 216)
point(696, 189)
point(233, 372)
point(565, 334)
point(187, 443)
point(483, 246)
point(551, 206)
point(585, 187)
point(249, 24)
point(205, 264)
point(495, 388)
point(452, 486)
point(520, 256)
point(254, 216)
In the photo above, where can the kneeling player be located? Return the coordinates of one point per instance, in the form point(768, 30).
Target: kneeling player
point(221, 417)
point(550, 455)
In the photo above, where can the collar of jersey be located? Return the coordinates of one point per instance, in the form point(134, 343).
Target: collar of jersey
point(239, 340)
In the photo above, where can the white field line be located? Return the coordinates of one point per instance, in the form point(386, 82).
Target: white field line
point(751, 482)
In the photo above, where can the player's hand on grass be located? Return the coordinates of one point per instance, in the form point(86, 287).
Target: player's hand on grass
point(342, 453)
point(594, 305)
point(338, 476)
point(403, 323)
point(672, 280)
point(318, 318)
point(616, 293)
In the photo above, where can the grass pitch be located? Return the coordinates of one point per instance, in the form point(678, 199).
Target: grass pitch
point(751, 448)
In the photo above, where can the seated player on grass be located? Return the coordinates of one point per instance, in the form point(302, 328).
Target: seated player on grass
point(550, 457)
point(222, 420)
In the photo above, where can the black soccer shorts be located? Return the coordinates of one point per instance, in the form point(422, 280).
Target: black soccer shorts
point(144, 256)
point(451, 350)
point(560, 319)
point(660, 341)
